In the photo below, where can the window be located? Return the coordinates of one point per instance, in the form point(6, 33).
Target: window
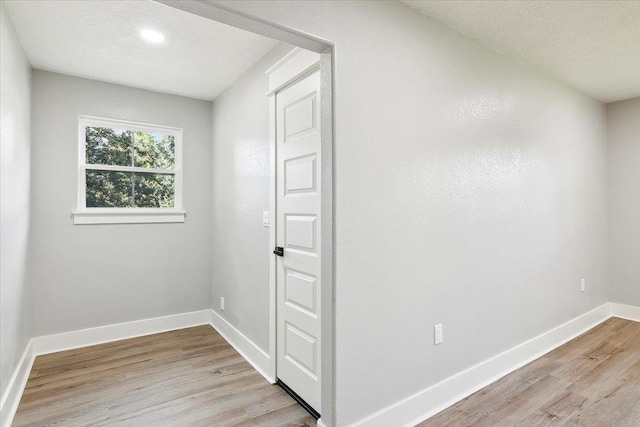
point(128, 172)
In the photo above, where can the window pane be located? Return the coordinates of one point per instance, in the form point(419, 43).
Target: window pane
point(106, 146)
point(153, 190)
point(154, 150)
point(107, 189)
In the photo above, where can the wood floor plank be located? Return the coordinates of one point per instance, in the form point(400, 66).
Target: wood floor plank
point(617, 404)
point(490, 399)
point(592, 381)
point(606, 376)
point(452, 417)
point(556, 411)
point(190, 377)
point(518, 407)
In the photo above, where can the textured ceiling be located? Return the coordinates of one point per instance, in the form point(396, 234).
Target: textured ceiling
point(100, 40)
point(592, 45)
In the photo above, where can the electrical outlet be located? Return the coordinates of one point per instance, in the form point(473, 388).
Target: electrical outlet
point(437, 334)
point(583, 285)
point(222, 303)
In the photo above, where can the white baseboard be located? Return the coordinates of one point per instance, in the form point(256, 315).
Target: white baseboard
point(243, 345)
point(624, 311)
point(320, 423)
point(428, 402)
point(120, 331)
point(17, 383)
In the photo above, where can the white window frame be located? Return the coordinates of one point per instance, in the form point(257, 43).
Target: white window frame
point(85, 215)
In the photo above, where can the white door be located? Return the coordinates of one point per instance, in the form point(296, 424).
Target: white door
point(298, 232)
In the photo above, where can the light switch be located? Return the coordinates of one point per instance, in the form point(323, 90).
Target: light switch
point(437, 334)
point(265, 219)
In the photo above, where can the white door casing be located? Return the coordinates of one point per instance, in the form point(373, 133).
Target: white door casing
point(298, 219)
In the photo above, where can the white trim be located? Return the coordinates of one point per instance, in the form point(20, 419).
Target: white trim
point(320, 423)
point(428, 402)
point(624, 311)
point(327, 263)
point(13, 393)
point(290, 68)
point(279, 63)
point(119, 331)
point(123, 216)
point(273, 220)
point(138, 169)
point(99, 217)
point(253, 354)
point(129, 125)
point(227, 15)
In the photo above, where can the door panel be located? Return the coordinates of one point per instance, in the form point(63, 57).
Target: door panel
point(300, 117)
point(300, 174)
point(300, 291)
point(300, 349)
point(298, 231)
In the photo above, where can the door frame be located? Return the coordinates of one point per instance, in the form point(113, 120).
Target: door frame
point(326, 49)
point(289, 70)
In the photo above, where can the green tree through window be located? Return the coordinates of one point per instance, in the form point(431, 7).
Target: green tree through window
point(129, 168)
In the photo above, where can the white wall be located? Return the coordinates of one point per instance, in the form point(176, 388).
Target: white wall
point(469, 190)
point(15, 137)
point(623, 129)
point(240, 171)
point(90, 275)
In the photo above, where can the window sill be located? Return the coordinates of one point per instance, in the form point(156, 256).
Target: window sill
point(83, 218)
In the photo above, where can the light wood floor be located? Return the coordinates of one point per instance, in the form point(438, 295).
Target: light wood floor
point(190, 377)
point(592, 381)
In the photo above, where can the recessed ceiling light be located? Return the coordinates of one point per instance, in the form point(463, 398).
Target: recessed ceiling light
point(152, 36)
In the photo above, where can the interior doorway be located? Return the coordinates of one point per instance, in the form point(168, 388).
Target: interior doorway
point(295, 110)
point(324, 186)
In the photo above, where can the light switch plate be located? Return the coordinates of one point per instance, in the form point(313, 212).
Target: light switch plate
point(266, 222)
point(437, 334)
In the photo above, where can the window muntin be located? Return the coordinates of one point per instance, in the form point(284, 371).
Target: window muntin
point(128, 167)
